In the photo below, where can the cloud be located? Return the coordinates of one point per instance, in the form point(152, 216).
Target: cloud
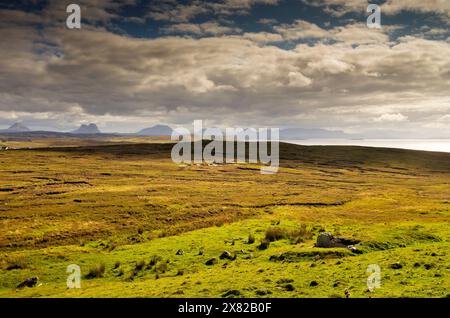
point(169, 10)
point(301, 30)
point(390, 7)
point(391, 118)
point(105, 74)
point(297, 79)
point(339, 7)
point(437, 31)
point(350, 77)
point(206, 28)
point(267, 21)
point(54, 13)
point(359, 33)
point(435, 6)
point(263, 37)
point(445, 119)
point(355, 33)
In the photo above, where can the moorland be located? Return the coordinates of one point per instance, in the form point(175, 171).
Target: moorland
point(139, 225)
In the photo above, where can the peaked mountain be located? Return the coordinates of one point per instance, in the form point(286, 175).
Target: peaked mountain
point(90, 129)
point(17, 127)
point(158, 130)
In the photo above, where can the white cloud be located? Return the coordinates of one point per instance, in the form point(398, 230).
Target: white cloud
point(339, 7)
point(263, 37)
point(356, 33)
point(445, 118)
point(206, 28)
point(297, 79)
point(301, 30)
point(267, 21)
point(436, 6)
point(391, 118)
point(359, 33)
point(169, 10)
point(390, 7)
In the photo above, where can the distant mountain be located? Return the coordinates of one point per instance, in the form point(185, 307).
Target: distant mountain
point(90, 129)
point(303, 133)
point(16, 128)
point(158, 130)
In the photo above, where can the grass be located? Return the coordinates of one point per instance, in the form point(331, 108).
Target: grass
point(97, 271)
point(123, 213)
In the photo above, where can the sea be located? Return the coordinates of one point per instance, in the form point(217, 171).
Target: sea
point(440, 145)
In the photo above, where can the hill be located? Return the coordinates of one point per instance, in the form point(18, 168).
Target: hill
point(351, 157)
point(158, 130)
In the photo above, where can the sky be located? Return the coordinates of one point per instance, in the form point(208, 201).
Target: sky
point(230, 63)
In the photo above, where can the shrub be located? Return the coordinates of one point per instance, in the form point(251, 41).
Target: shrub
point(132, 275)
point(16, 264)
point(264, 244)
point(275, 233)
point(428, 266)
point(96, 271)
point(302, 234)
point(289, 287)
point(163, 234)
point(110, 246)
point(161, 268)
point(232, 293)
point(154, 260)
point(140, 265)
point(180, 272)
point(396, 266)
point(285, 281)
point(263, 292)
point(211, 261)
point(251, 239)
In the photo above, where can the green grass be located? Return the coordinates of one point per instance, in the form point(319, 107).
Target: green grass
point(130, 209)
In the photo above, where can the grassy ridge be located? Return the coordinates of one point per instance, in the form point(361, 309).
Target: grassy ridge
point(92, 205)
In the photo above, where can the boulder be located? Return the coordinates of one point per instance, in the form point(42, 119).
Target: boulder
point(180, 252)
point(226, 255)
point(211, 261)
point(325, 239)
point(396, 266)
point(313, 284)
point(29, 282)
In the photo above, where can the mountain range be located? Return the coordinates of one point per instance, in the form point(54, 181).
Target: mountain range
point(164, 130)
point(91, 129)
point(16, 128)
